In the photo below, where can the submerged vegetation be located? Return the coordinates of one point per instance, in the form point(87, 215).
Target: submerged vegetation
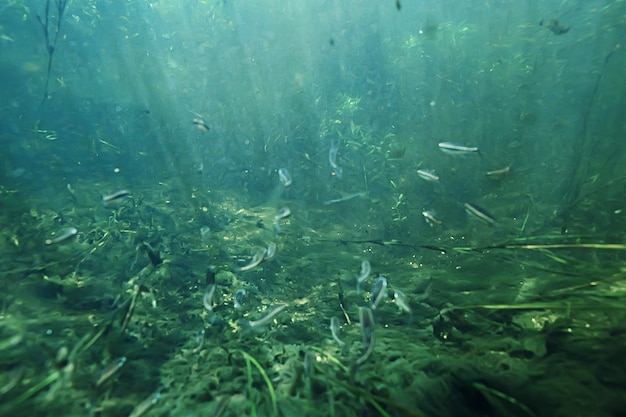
point(403, 211)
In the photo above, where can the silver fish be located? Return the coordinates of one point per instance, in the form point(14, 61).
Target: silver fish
point(207, 299)
point(262, 322)
point(141, 408)
point(366, 323)
point(497, 174)
point(480, 213)
point(201, 125)
point(366, 269)
point(284, 177)
point(270, 251)
point(427, 175)
point(110, 370)
point(379, 291)
point(282, 213)
point(309, 364)
point(401, 301)
point(62, 235)
point(115, 198)
point(346, 198)
point(431, 218)
point(456, 149)
point(239, 299)
point(258, 257)
point(334, 330)
point(332, 158)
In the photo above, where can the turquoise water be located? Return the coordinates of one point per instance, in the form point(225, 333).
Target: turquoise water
point(157, 158)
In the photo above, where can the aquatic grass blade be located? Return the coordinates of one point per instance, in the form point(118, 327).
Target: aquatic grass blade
point(249, 373)
point(35, 389)
point(250, 359)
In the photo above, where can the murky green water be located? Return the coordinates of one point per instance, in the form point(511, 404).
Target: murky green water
point(472, 154)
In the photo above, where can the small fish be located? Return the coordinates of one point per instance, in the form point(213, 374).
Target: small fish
point(62, 235)
point(284, 177)
point(427, 175)
point(141, 408)
point(424, 290)
point(209, 277)
point(205, 234)
point(455, 149)
point(366, 323)
point(498, 173)
point(335, 329)
point(258, 257)
point(220, 409)
point(270, 251)
point(401, 301)
point(366, 269)
point(554, 26)
point(346, 198)
point(207, 299)
point(282, 213)
point(199, 339)
point(262, 322)
point(379, 291)
point(201, 125)
point(332, 153)
point(12, 379)
point(309, 364)
point(115, 198)
point(239, 298)
point(332, 158)
point(480, 213)
point(110, 370)
point(431, 218)
point(155, 257)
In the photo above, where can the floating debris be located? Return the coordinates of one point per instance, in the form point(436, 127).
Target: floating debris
point(62, 235)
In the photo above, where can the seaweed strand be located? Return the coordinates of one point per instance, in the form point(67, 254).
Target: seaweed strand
point(51, 46)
